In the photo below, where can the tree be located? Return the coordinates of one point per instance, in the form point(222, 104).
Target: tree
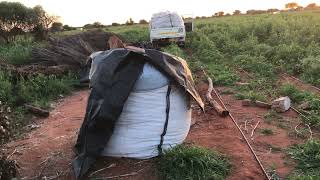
point(272, 10)
point(88, 26)
point(255, 12)
point(68, 28)
point(15, 19)
point(43, 22)
point(221, 13)
point(130, 22)
point(115, 24)
point(299, 8)
point(98, 25)
point(291, 5)
point(142, 21)
point(43, 18)
point(56, 26)
point(312, 6)
point(237, 12)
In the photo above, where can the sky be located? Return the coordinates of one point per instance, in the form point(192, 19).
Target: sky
point(80, 12)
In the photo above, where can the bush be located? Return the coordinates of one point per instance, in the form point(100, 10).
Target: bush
point(313, 117)
point(40, 90)
point(307, 156)
point(291, 91)
point(18, 52)
point(311, 70)
point(187, 162)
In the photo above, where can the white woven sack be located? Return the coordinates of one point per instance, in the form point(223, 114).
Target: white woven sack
point(138, 130)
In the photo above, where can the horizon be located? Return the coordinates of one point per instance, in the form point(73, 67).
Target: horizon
point(78, 13)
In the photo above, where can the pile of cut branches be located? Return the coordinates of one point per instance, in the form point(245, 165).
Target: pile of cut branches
point(72, 50)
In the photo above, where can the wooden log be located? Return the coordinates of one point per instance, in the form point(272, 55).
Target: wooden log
point(241, 84)
point(247, 102)
point(37, 111)
point(261, 104)
point(217, 107)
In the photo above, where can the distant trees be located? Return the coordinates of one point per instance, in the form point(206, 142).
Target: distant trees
point(312, 6)
point(68, 28)
point(94, 25)
point(15, 19)
point(130, 22)
point(237, 12)
point(56, 26)
point(43, 18)
point(272, 10)
point(143, 21)
point(115, 24)
point(43, 23)
point(291, 5)
point(220, 13)
point(255, 12)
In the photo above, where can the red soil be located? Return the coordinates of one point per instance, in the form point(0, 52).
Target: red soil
point(47, 151)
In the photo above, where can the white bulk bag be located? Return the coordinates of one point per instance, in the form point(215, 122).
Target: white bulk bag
point(138, 130)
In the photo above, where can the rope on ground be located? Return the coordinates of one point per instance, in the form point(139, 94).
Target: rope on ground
point(310, 131)
point(297, 79)
point(250, 147)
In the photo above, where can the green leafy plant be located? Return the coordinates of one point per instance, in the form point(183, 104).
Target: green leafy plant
point(307, 156)
point(188, 162)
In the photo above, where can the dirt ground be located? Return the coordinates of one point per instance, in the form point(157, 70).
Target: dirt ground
point(47, 150)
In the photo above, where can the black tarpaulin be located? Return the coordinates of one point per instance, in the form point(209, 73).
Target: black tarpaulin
point(111, 85)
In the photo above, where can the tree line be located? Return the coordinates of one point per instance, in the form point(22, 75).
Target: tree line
point(17, 19)
point(292, 6)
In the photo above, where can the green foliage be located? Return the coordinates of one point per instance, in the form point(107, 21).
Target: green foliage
point(40, 90)
point(6, 87)
point(311, 69)
point(192, 163)
point(262, 44)
point(14, 17)
point(291, 91)
point(18, 52)
point(175, 50)
point(307, 156)
point(132, 33)
point(255, 65)
point(208, 56)
point(298, 97)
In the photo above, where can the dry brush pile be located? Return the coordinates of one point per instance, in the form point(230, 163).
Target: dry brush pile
point(72, 50)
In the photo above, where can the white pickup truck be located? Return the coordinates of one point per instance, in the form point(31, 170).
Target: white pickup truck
point(167, 27)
